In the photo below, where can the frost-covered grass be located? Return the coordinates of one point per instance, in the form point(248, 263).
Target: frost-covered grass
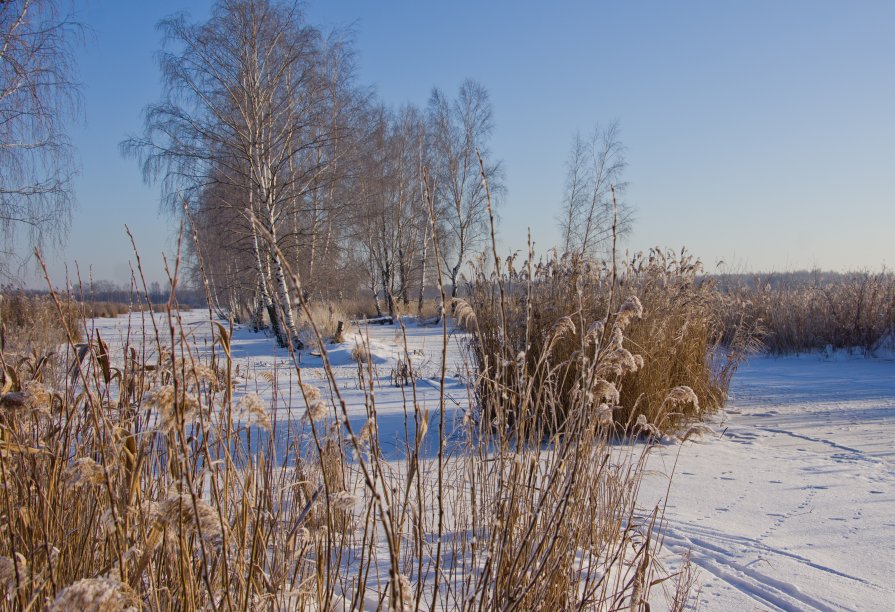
point(119, 491)
point(190, 463)
point(810, 312)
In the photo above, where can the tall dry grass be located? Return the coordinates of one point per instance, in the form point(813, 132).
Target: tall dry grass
point(145, 481)
point(637, 334)
point(331, 320)
point(806, 312)
point(32, 323)
point(149, 478)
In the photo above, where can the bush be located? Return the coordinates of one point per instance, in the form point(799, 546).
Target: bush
point(573, 327)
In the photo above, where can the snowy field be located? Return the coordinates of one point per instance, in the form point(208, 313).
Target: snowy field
point(789, 505)
point(792, 504)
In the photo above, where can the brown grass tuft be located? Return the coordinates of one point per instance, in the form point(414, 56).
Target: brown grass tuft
point(657, 328)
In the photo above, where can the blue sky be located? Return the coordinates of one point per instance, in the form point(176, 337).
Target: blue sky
point(758, 133)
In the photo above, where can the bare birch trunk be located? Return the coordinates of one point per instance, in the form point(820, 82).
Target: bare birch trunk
point(285, 302)
point(266, 298)
point(419, 305)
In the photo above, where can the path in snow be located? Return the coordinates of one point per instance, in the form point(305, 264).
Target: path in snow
point(792, 504)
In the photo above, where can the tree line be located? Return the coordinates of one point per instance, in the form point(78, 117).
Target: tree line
point(281, 164)
point(284, 165)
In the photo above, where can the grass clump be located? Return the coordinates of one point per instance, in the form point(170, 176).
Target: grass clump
point(577, 329)
point(331, 320)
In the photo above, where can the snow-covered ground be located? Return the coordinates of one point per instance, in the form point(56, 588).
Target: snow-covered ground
point(264, 368)
point(789, 505)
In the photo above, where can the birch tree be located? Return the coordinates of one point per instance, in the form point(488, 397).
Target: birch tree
point(595, 165)
point(392, 223)
point(458, 128)
point(37, 98)
point(245, 103)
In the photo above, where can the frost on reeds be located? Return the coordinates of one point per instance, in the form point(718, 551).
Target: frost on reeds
point(368, 432)
point(809, 311)
point(654, 326)
point(310, 392)
point(642, 426)
point(360, 354)
point(97, 595)
point(193, 515)
point(252, 411)
point(464, 313)
point(343, 500)
point(317, 410)
point(682, 396)
point(38, 397)
point(603, 390)
point(13, 572)
point(205, 374)
point(170, 408)
point(84, 471)
point(151, 506)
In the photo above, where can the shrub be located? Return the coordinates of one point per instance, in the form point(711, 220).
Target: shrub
point(569, 323)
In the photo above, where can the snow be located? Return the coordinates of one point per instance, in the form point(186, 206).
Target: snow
point(268, 370)
point(790, 504)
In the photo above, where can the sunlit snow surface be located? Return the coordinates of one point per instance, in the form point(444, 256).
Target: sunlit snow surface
point(789, 505)
point(792, 504)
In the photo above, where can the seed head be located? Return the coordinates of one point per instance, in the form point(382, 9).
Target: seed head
point(603, 390)
point(367, 432)
point(603, 414)
point(643, 426)
point(8, 572)
point(623, 358)
point(617, 338)
point(38, 397)
point(165, 402)
point(179, 510)
point(594, 331)
point(681, 396)
point(251, 409)
point(205, 374)
point(84, 471)
point(316, 410)
point(97, 595)
point(463, 312)
point(630, 309)
point(311, 392)
point(343, 500)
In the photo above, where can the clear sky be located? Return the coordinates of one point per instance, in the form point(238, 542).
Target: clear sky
point(759, 133)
